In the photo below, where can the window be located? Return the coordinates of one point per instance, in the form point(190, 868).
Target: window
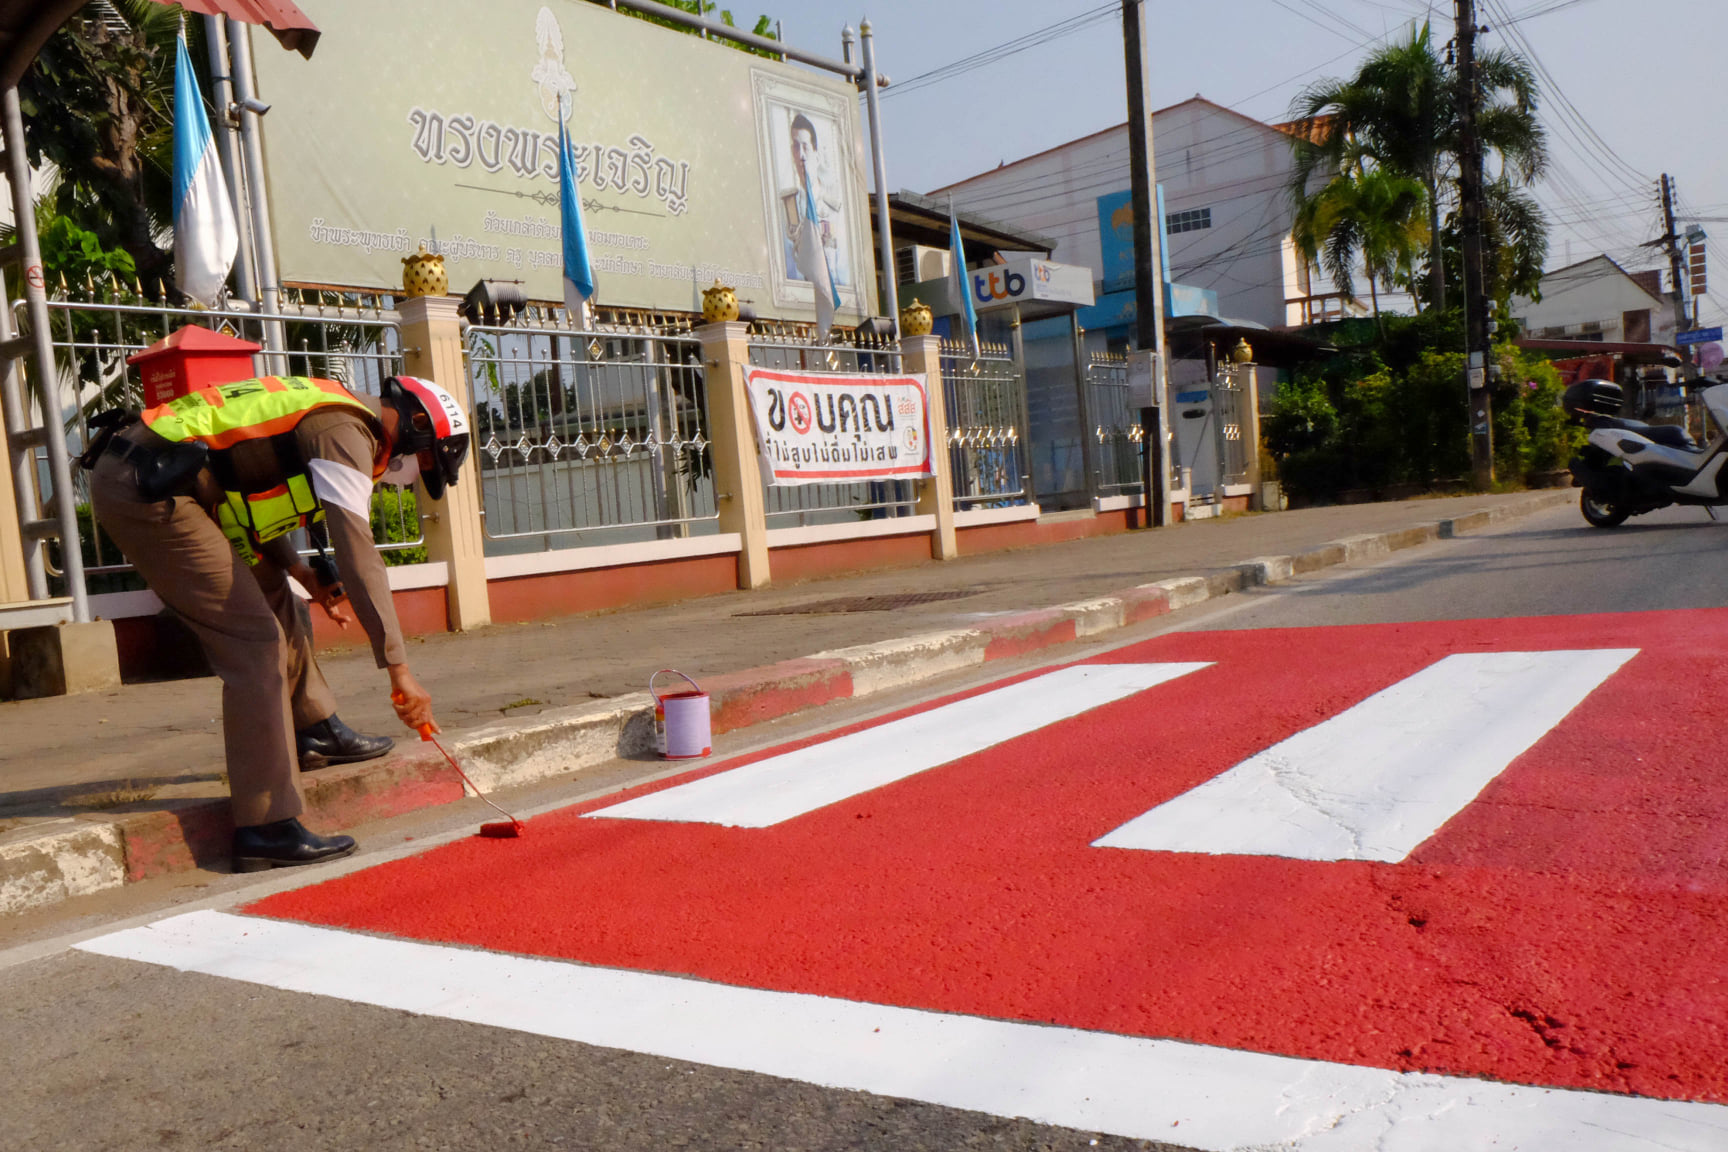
point(1192, 220)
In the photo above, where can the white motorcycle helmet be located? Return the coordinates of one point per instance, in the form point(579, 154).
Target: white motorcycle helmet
point(432, 434)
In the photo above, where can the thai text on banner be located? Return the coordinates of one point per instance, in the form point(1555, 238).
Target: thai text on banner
point(813, 429)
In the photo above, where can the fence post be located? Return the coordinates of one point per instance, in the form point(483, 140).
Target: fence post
point(14, 584)
point(935, 495)
point(432, 350)
point(737, 476)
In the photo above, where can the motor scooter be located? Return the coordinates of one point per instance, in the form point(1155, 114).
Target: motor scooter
point(1628, 467)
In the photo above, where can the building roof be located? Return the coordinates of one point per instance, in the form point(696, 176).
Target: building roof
point(919, 219)
point(1195, 99)
point(1636, 353)
point(1613, 266)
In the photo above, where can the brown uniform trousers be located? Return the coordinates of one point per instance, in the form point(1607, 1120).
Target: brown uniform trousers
point(255, 632)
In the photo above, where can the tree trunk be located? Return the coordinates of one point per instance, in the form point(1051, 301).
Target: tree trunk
point(1374, 294)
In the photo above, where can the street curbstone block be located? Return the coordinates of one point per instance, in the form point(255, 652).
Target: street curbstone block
point(893, 663)
point(414, 777)
point(1325, 556)
point(1091, 617)
point(1267, 569)
point(1360, 548)
point(1469, 522)
point(1145, 602)
point(755, 695)
point(563, 740)
point(1026, 632)
point(1184, 591)
point(48, 863)
point(1413, 536)
point(174, 836)
point(1224, 583)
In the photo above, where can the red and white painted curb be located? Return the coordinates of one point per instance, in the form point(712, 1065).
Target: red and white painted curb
point(44, 864)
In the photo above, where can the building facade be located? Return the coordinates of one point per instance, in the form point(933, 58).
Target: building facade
point(1225, 180)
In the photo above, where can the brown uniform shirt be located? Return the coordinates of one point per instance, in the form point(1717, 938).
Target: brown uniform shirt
point(342, 436)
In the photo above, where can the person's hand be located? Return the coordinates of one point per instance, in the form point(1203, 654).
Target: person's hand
point(327, 596)
point(413, 703)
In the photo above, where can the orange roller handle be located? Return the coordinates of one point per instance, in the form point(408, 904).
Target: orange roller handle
point(425, 730)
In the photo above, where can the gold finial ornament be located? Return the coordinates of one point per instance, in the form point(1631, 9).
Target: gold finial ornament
point(719, 304)
point(1242, 353)
point(916, 320)
point(423, 274)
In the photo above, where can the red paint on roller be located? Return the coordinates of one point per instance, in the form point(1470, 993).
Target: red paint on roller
point(1567, 928)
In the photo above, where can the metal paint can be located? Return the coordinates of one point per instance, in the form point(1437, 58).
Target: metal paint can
point(682, 720)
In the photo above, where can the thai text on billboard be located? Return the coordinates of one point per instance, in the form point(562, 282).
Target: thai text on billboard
point(695, 161)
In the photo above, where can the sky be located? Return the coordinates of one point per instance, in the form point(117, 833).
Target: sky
point(1632, 89)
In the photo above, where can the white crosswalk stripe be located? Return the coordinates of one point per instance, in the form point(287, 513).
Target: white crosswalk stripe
point(1380, 778)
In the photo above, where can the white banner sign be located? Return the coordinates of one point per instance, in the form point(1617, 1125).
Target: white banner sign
point(839, 428)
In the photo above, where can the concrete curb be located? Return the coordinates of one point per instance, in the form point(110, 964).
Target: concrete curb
point(46, 862)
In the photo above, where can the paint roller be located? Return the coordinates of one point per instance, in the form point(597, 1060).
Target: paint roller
point(507, 829)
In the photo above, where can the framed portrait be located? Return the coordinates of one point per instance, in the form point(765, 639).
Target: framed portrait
point(812, 180)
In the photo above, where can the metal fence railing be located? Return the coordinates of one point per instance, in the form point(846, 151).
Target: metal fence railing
point(1115, 426)
point(791, 349)
point(583, 432)
point(1230, 410)
point(986, 404)
point(347, 337)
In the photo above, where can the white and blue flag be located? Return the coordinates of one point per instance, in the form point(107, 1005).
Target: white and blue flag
point(578, 269)
point(812, 257)
point(962, 281)
point(205, 234)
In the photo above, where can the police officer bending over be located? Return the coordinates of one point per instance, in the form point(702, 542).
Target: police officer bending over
point(201, 493)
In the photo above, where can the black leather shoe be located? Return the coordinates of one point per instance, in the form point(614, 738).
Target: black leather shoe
point(285, 844)
point(333, 742)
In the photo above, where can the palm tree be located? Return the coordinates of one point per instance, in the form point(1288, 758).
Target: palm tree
point(1371, 213)
point(1400, 112)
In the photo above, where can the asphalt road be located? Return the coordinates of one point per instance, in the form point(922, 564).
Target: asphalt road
point(104, 1053)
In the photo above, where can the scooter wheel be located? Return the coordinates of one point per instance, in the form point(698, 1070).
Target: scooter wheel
point(1599, 512)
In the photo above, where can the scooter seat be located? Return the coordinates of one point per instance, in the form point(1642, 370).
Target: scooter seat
point(1667, 435)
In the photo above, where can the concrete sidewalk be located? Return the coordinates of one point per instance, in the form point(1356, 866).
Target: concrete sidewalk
point(100, 790)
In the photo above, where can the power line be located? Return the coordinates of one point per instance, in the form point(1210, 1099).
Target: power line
point(1004, 50)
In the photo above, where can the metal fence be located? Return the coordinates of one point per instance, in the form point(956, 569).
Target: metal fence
point(601, 431)
point(1230, 412)
point(789, 347)
point(1115, 426)
point(339, 336)
point(986, 404)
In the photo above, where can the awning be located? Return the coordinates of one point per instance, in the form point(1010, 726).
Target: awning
point(1631, 352)
point(25, 26)
point(292, 27)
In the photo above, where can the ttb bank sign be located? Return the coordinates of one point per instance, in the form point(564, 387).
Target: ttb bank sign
point(1026, 279)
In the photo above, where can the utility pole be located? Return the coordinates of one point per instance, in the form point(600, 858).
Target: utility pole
point(1476, 343)
point(1671, 240)
point(1146, 363)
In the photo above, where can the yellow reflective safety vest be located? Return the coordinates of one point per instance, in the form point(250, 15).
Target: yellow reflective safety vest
point(265, 409)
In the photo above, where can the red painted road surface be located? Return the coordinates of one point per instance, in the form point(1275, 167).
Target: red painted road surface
point(1568, 928)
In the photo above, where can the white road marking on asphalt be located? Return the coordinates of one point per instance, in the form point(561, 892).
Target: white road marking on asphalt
point(781, 787)
point(1204, 1097)
point(1377, 780)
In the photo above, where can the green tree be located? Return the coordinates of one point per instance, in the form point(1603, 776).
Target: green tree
point(763, 27)
point(1400, 112)
point(1368, 213)
point(98, 104)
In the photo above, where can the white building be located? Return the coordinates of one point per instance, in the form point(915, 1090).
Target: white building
point(1597, 300)
point(1227, 209)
